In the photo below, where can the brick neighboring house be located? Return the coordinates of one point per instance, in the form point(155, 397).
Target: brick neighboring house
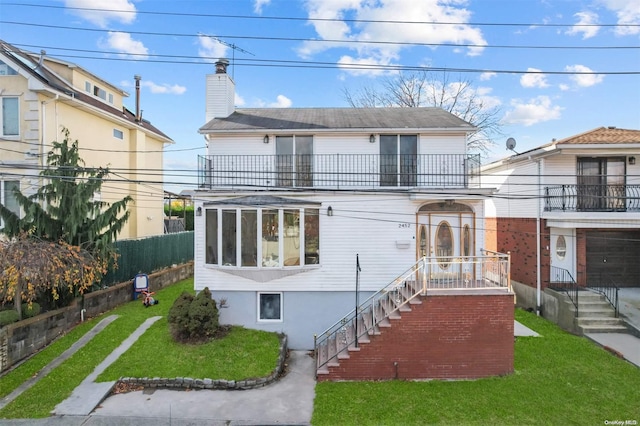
point(292, 200)
point(39, 95)
point(570, 206)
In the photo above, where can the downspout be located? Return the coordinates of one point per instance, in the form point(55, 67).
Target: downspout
point(538, 235)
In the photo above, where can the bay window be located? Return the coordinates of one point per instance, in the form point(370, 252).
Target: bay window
point(262, 237)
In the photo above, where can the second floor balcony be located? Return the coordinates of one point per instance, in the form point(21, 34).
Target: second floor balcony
point(592, 198)
point(340, 171)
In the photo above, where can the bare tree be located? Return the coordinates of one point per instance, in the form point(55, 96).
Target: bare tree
point(427, 89)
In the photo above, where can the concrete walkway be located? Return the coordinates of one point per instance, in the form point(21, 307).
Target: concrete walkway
point(88, 395)
point(59, 360)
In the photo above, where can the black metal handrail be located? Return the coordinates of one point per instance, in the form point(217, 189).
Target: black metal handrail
point(608, 288)
point(592, 198)
point(340, 171)
point(562, 280)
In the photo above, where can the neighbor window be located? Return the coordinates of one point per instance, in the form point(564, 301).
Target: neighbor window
point(6, 69)
point(101, 93)
point(270, 306)
point(87, 87)
point(10, 116)
point(7, 196)
point(262, 237)
point(110, 98)
point(118, 134)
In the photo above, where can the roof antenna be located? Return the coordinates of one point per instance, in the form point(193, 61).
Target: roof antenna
point(42, 53)
point(232, 46)
point(511, 144)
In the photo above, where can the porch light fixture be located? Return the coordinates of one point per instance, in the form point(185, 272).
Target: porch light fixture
point(330, 211)
point(199, 211)
point(372, 138)
point(632, 160)
point(265, 139)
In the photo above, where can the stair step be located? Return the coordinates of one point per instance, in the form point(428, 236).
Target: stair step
point(598, 321)
point(596, 312)
point(604, 329)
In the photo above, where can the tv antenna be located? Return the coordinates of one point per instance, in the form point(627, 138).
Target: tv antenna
point(233, 48)
point(511, 144)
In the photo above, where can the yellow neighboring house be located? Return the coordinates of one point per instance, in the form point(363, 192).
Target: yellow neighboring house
point(40, 95)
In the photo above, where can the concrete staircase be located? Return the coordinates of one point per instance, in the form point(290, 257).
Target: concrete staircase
point(596, 315)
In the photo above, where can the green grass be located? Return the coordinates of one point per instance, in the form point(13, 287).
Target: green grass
point(559, 379)
point(242, 354)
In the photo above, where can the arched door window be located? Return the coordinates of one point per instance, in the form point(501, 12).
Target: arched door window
point(561, 247)
point(444, 244)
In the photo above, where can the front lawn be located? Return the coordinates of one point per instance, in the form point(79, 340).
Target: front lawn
point(559, 378)
point(242, 354)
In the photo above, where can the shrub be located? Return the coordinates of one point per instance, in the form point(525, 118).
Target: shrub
point(203, 315)
point(179, 316)
point(28, 312)
point(194, 319)
point(8, 317)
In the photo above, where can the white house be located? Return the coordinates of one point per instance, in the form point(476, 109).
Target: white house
point(292, 200)
point(567, 211)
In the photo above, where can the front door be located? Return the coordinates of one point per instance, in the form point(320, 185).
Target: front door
point(448, 237)
point(562, 254)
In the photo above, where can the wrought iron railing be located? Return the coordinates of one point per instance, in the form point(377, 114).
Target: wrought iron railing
point(339, 171)
point(562, 280)
point(490, 271)
point(592, 198)
point(608, 288)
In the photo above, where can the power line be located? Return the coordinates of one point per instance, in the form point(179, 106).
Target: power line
point(315, 40)
point(307, 19)
point(274, 63)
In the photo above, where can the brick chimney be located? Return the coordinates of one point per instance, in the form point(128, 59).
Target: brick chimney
point(221, 91)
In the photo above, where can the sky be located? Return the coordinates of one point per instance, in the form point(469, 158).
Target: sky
point(551, 68)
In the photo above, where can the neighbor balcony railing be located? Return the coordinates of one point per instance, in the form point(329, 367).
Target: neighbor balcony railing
point(592, 198)
point(339, 171)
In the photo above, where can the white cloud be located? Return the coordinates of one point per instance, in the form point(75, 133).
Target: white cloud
point(585, 18)
point(487, 76)
point(210, 48)
point(376, 12)
point(281, 102)
point(259, 4)
point(362, 66)
point(563, 87)
point(584, 80)
point(533, 111)
point(628, 13)
point(123, 11)
point(124, 44)
point(534, 78)
point(238, 100)
point(174, 89)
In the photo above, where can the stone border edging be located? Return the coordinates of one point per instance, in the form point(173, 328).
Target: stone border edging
point(190, 383)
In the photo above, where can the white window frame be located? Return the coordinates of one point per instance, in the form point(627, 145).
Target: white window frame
point(118, 134)
point(2, 196)
point(2, 98)
point(258, 312)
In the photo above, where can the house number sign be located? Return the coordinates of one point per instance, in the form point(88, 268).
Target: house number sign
point(404, 225)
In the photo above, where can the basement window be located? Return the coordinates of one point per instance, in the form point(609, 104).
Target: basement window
point(270, 307)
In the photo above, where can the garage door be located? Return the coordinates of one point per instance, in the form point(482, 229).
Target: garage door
point(615, 254)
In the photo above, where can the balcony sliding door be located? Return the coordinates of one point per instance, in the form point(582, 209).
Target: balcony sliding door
point(398, 160)
point(601, 184)
point(294, 161)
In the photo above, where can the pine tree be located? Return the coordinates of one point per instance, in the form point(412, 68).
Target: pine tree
point(64, 208)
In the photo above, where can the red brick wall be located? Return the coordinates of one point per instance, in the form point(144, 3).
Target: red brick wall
point(518, 237)
point(445, 337)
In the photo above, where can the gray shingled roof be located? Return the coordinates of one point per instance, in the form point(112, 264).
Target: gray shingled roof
point(335, 118)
